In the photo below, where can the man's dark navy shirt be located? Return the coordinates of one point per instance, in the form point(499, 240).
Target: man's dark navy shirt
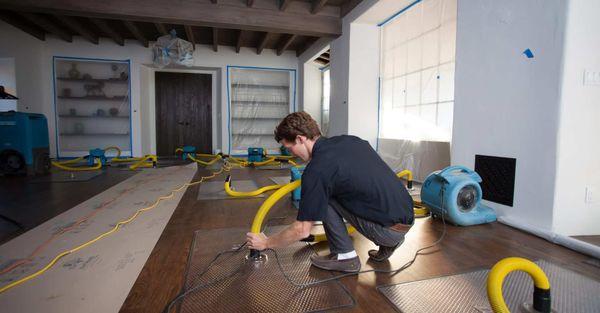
point(347, 169)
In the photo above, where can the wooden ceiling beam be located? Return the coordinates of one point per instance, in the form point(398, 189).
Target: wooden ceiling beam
point(47, 25)
point(317, 6)
point(309, 42)
point(11, 19)
point(135, 31)
point(215, 43)
point(263, 43)
point(109, 31)
point(285, 43)
point(283, 4)
point(75, 26)
point(189, 33)
point(188, 13)
point(162, 30)
point(238, 44)
point(348, 6)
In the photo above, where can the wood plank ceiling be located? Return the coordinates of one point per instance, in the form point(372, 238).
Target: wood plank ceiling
point(281, 25)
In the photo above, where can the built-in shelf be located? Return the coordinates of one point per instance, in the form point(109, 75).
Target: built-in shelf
point(93, 116)
point(93, 134)
point(258, 118)
point(258, 103)
point(259, 86)
point(94, 80)
point(245, 134)
point(115, 98)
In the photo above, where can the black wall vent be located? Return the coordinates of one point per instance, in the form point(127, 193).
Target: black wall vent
point(498, 178)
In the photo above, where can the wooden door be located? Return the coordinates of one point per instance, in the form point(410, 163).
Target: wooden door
point(183, 112)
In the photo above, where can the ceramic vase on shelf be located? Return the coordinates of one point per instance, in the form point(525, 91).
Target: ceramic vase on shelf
point(73, 72)
point(113, 111)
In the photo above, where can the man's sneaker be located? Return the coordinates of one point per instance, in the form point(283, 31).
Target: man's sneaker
point(331, 263)
point(383, 254)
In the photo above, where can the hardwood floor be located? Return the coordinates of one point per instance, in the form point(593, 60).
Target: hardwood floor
point(31, 204)
point(462, 249)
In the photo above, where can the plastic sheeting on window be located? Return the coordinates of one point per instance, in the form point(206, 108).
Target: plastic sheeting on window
point(422, 158)
point(169, 49)
point(259, 100)
point(417, 72)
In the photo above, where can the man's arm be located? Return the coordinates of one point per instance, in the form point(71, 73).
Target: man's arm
point(295, 232)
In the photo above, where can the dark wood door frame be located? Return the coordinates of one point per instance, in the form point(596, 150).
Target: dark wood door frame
point(216, 76)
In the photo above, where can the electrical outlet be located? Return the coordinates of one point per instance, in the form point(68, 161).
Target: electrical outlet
point(591, 78)
point(590, 194)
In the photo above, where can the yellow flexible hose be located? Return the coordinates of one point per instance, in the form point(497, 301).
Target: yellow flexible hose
point(178, 150)
point(217, 158)
point(407, 173)
point(111, 231)
point(502, 269)
point(143, 162)
point(73, 161)
point(252, 193)
point(270, 202)
point(419, 209)
point(125, 160)
point(113, 148)
point(97, 166)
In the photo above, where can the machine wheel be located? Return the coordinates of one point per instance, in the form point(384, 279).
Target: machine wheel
point(11, 162)
point(42, 164)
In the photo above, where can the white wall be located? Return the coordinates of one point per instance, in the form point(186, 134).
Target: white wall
point(8, 79)
point(33, 60)
point(354, 77)
point(313, 91)
point(339, 71)
point(578, 162)
point(363, 82)
point(506, 104)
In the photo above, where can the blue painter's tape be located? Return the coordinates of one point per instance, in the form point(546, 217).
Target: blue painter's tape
point(528, 53)
point(228, 113)
point(389, 19)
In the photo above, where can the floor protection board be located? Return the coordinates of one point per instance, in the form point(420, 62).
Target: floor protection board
point(215, 190)
point(281, 180)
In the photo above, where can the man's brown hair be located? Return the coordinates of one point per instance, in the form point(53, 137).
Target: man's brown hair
point(295, 124)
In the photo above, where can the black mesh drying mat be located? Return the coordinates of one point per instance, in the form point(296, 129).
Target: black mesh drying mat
point(241, 285)
point(571, 292)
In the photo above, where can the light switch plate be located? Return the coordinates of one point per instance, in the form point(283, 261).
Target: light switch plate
point(591, 78)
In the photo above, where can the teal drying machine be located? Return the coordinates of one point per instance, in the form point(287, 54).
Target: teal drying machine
point(24, 146)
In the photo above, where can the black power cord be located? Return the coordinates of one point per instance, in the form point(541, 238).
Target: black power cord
point(311, 284)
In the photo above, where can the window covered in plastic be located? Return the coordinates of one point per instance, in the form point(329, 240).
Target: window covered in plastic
point(417, 72)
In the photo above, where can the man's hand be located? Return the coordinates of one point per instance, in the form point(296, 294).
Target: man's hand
point(257, 241)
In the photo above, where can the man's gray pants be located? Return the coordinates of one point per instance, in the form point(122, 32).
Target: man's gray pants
point(338, 238)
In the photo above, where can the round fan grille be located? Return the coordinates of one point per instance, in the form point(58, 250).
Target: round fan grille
point(467, 198)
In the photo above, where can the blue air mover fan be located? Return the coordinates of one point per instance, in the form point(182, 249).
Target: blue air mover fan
point(455, 193)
